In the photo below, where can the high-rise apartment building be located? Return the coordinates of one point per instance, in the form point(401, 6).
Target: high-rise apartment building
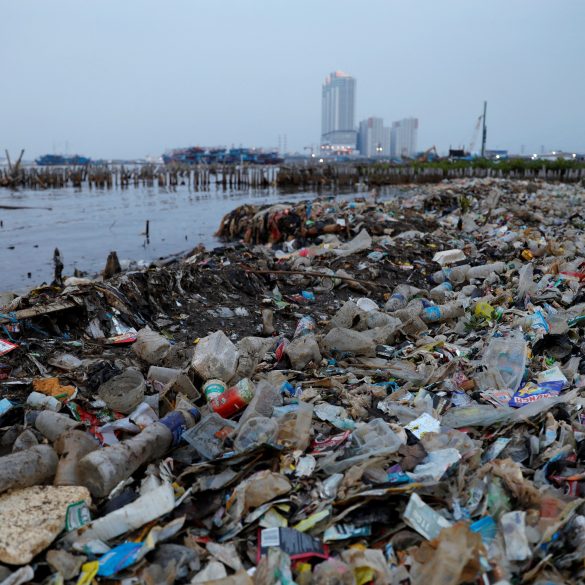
point(338, 111)
point(403, 138)
point(373, 138)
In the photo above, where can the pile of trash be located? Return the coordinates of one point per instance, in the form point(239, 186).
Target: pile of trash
point(374, 390)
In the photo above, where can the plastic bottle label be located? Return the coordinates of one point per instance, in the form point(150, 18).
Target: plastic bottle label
point(432, 314)
point(175, 422)
point(233, 399)
point(213, 390)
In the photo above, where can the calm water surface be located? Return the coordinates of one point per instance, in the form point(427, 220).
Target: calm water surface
point(86, 225)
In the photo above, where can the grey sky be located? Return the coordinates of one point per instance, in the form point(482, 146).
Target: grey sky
point(128, 78)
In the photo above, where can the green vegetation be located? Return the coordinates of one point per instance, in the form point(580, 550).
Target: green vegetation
point(506, 166)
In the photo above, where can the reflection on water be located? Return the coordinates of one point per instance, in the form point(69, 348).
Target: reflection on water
point(86, 225)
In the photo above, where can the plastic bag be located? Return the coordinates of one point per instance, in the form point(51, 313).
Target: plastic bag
point(505, 359)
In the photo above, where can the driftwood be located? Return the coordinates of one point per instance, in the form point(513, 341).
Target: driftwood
point(39, 310)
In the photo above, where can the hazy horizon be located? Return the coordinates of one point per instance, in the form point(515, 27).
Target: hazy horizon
point(135, 78)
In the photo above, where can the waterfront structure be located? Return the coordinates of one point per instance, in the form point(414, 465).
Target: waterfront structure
point(338, 112)
point(373, 138)
point(403, 138)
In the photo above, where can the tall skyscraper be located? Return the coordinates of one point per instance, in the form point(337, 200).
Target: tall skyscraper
point(373, 138)
point(338, 111)
point(403, 137)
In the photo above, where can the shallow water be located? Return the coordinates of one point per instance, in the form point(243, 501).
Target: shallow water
point(86, 225)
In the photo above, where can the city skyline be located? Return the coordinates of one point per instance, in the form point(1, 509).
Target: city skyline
point(240, 73)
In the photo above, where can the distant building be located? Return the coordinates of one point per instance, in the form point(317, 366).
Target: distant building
point(373, 138)
point(338, 112)
point(496, 154)
point(403, 138)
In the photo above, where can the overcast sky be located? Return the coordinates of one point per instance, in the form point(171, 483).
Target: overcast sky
point(129, 78)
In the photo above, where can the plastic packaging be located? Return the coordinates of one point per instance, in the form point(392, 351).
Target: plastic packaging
point(52, 424)
point(505, 360)
point(481, 415)
point(251, 351)
point(349, 340)
point(215, 357)
point(295, 427)
point(102, 470)
point(333, 572)
point(163, 379)
point(66, 362)
point(349, 316)
point(371, 439)
point(265, 399)
point(449, 256)
point(256, 431)
point(125, 392)
point(435, 465)
point(303, 350)
point(305, 326)
point(365, 304)
point(525, 280)
point(31, 467)
point(72, 446)
point(151, 346)
point(514, 531)
point(422, 518)
point(207, 436)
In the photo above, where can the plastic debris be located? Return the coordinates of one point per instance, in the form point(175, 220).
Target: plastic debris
point(382, 391)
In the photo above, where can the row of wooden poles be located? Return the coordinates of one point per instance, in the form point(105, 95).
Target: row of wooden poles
point(358, 174)
point(196, 177)
point(236, 176)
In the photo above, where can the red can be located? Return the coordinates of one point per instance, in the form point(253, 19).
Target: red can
point(234, 399)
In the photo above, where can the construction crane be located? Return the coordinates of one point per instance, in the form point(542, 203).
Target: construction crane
point(480, 122)
point(475, 135)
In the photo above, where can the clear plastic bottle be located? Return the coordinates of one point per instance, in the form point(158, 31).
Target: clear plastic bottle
point(52, 424)
point(485, 270)
point(102, 470)
point(30, 467)
point(441, 313)
point(72, 446)
point(440, 293)
point(400, 297)
point(151, 346)
point(42, 401)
